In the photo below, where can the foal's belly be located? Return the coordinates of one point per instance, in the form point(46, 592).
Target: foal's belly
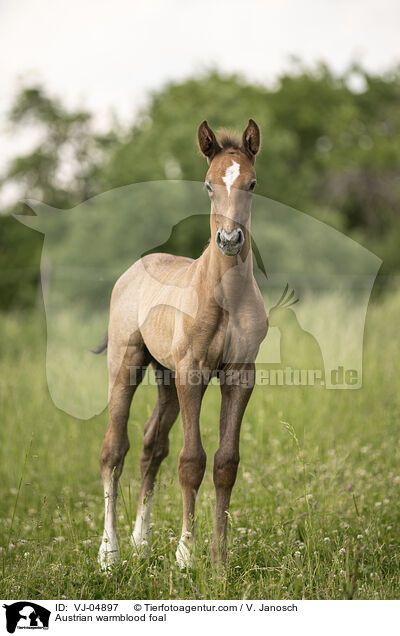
point(173, 337)
point(161, 334)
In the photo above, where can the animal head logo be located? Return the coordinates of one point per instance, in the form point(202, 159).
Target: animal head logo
point(87, 248)
point(26, 615)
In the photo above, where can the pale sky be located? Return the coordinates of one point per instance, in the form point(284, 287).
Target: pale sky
point(106, 55)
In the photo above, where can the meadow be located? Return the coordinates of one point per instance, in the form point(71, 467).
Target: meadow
point(314, 512)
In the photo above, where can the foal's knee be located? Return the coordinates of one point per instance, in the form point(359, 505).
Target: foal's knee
point(112, 455)
point(153, 453)
point(225, 469)
point(191, 468)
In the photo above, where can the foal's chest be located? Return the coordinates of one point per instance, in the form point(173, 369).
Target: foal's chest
point(233, 337)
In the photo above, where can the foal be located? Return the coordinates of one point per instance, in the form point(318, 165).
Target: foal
point(194, 317)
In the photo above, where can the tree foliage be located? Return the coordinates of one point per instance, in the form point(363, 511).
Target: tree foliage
point(330, 148)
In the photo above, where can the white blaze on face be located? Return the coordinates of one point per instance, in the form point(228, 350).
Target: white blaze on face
point(231, 174)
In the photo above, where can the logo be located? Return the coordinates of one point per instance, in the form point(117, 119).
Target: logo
point(315, 282)
point(26, 615)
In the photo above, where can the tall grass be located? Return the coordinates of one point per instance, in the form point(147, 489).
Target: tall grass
point(314, 511)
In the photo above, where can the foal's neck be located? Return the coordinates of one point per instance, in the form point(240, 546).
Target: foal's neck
point(230, 273)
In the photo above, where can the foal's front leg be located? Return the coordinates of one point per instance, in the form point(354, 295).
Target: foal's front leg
point(113, 451)
point(192, 459)
point(236, 388)
point(116, 442)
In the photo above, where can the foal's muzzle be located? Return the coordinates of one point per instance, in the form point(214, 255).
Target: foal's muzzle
point(230, 243)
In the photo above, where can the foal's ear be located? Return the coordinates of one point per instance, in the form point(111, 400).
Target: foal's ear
point(251, 140)
point(208, 143)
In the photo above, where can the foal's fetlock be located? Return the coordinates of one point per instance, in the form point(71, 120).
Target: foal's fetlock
point(219, 553)
point(108, 554)
point(185, 551)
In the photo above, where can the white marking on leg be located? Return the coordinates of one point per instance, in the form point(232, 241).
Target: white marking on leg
point(141, 536)
point(185, 551)
point(231, 174)
point(109, 549)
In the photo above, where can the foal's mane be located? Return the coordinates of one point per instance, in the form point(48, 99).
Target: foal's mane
point(228, 139)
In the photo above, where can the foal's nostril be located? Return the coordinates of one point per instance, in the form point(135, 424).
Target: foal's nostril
point(230, 243)
point(239, 236)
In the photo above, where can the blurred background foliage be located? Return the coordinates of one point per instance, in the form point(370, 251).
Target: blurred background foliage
point(330, 149)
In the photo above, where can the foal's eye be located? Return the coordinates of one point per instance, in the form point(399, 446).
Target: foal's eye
point(252, 185)
point(208, 187)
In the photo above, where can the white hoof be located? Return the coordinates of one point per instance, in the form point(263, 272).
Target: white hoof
point(185, 552)
point(108, 555)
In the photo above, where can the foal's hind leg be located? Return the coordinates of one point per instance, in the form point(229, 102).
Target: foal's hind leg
point(155, 449)
point(235, 397)
point(126, 366)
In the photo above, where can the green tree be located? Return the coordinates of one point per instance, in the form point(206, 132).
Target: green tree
point(62, 169)
point(330, 148)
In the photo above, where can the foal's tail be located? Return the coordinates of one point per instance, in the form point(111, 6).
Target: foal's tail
point(103, 345)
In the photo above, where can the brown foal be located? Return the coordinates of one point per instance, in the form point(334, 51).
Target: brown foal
point(195, 318)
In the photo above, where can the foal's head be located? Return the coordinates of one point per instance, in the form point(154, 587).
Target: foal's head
point(230, 182)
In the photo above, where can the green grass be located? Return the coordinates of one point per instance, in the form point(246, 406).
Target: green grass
point(314, 511)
